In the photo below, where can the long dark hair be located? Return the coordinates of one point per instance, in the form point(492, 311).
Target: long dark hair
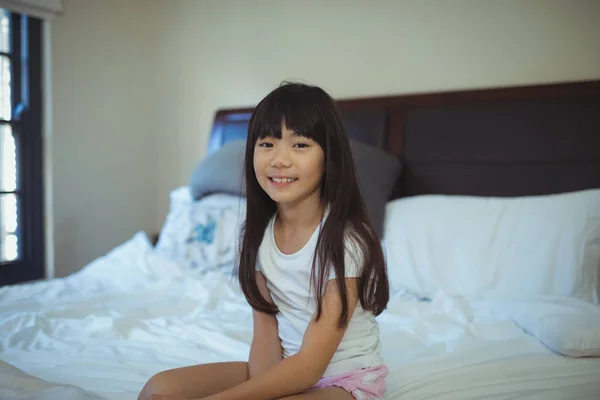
point(311, 112)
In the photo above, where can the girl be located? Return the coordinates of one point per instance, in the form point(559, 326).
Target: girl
point(311, 266)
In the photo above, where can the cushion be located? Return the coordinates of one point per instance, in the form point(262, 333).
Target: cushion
point(377, 171)
point(565, 325)
point(495, 247)
point(220, 172)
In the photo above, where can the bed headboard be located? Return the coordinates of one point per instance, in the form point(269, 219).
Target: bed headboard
point(517, 141)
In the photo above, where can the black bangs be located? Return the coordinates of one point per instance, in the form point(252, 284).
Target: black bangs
point(300, 106)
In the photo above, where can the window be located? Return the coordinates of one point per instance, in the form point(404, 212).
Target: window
point(21, 185)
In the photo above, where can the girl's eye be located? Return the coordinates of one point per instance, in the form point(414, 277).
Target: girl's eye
point(265, 144)
point(301, 145)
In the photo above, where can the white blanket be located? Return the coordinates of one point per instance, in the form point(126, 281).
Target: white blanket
point(101, 333)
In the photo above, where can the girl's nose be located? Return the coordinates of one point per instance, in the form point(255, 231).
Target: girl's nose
point(280, 158)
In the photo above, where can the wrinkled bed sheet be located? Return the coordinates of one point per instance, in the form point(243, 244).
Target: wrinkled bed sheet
point(102, 332)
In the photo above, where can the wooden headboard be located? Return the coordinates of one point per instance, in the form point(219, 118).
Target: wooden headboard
point(518, 141)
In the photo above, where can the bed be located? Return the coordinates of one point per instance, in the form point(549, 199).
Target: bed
point(491, 225)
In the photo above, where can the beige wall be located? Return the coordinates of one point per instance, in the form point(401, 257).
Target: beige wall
point(103, 148)
point(208, 54)
point(231, 53)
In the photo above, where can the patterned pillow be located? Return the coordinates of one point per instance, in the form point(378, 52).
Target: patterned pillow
point(213, 237)
point(203, 235)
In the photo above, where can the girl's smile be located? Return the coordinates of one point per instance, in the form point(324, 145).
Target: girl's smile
point(281, 181)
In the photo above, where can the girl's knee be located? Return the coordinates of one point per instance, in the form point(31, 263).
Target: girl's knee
point(159, 384)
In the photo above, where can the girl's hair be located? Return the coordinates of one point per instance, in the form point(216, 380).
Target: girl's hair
point(309, 111)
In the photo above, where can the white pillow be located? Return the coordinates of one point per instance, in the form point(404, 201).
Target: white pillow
point(179, 199)
point(203, 235)
point(495, 247)
point(565, 325)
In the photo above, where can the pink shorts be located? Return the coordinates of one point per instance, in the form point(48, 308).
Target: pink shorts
point(363, 384)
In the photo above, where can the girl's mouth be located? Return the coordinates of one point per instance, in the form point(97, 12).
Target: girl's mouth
point(279, 182)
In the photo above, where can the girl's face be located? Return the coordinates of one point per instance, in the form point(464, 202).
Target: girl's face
point(289, 169)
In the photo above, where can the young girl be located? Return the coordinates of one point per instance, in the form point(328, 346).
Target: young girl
point(311, 266)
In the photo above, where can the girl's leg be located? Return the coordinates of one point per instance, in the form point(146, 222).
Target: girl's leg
point(196, 381)
point(330, 393)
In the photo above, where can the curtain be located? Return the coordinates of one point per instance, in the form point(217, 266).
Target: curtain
point(44, 9)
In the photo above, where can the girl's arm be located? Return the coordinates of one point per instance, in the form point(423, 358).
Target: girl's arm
point(303, 370)
point(265, 351)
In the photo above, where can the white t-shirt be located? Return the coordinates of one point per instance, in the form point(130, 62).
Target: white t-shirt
point(288, 279)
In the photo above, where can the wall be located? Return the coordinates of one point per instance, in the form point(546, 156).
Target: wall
point(136, 83)
point(104, 91)
point(231, 53)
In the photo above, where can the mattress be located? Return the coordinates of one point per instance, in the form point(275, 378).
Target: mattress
point(102, 332)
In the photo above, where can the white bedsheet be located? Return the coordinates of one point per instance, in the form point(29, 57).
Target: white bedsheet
point(101, 333)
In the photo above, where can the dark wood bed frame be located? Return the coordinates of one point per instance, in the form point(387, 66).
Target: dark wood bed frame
point(528, 140)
